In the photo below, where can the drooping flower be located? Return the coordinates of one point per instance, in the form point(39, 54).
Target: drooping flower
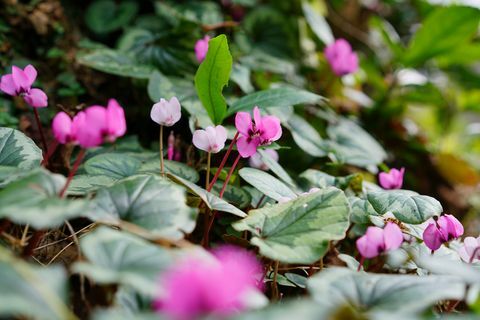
point(256, 160)
point(391, 180)
point(441, 230)
point(377, 240)
point(470, 251)
point(262, 131)
point(19, 83)
point(212, 139)
point(166, 112)
point(341, 58)
point(219, 286)
point(201, 48)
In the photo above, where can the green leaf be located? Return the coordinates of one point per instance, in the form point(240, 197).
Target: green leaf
point(161, 86)
point(445, 29)
point(212, 76)
point(267, 184)
point(335, 288)
point(34, 200)
point(114, 62)
point(305, 136)
point(104, 16)
point(361, 210)
point(116, 257)
point(298, 231)
point(241, 76)
point(318, 23)
point(83, 184)
point(407, 206)
point(235, 195)
point(288, 309)
point(276, 168)
point(31, 291)
point(278, 97)
point(18, 150)
point(212, 201)
point(173, 167)
point(149, 202)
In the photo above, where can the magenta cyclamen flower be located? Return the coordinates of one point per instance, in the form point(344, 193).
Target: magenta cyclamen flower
point(201, 48)
point(341, 57)
point(219, 286)
point(442, 230)
point(212, 139)
point(377, 240)
point(262, 131)
point(19, 83)
point(470, 251)
point(256, 160)
point(391, 180)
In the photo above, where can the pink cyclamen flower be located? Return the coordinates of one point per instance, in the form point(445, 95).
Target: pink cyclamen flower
point(171, 146)
point(19, 83)
point(470, 251)
point(219, 286)
point(256, 160)
point(201, 48)
point(341, 58)
point(262, 131)
point(391, 180)
point(115, 125)
point(212, 139)
point(441, 230)
point(166, 112)
point(377, 240)
point(62, 128)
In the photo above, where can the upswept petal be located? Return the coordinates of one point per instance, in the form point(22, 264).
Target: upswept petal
point(31, 74)
point(271, 128)
point(243, 123)
point(393, 236)
point(115, 116)
point(7, 85)
point(22, 82)
point(62, 127)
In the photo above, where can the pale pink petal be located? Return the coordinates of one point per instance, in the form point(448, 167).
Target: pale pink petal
point(7, 85)
point(432, 237)
point(62, 127)
point(256, 161)
point(273, 154)
point(462, 252)
point(247, 147)
point(22, 83)
point(470, 244)
point(393, 236)
point(31, 74)
point(201, 141)
point(175, 109)
point(36, 98)
point(220, 138)
point(243, 123)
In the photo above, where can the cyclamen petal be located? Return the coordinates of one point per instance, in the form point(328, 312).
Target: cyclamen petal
point(22, 82)
point(166, 112)
point(7, 85)
point(341, 58)
point(470, 251)
point(201, 48)
point(247, 148)
point(243, 123)
point(392, 180)
point(36, 98)
point(393, 236)
point(256, 160)
point(115, 119)
point(212, 139)
point(432, 237)
point(62, 128)
point(377, 240)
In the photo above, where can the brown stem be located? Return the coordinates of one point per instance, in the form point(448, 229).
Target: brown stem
point(162, 168)
point(224, 24)
point(33, 243)
point(50, 152)
point(40, 128)
point(362, 260)
point(4, 225)
point(79, 159)
point(224, 160)
point(274, 283)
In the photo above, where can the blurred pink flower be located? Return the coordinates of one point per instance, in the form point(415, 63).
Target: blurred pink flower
point(377, 240)
point(470, 251)
point(212, 139)
point(256, 161)
point(166, 112)
point(219, 286)
point(171, 146)
point(262, 131)
point(341, 58)
point(441, 230)
point(62, 128)
point(115, 125)
point(391, 180)
point(19, 83)
point(201, 48)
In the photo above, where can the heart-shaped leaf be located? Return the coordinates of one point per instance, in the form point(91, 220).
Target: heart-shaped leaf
point(18, 150)
point(104, 16)
point(298, 231)
point(150, 202)
point(267, 184)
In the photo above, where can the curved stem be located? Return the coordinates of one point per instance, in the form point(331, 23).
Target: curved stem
point(162, 168)
point(79, 159)
point(362, 260)
point(224, 160)
point(40, 128)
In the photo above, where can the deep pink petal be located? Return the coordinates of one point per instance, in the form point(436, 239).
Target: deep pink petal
point(62, 127)
point(246, 147)
point(272, 130)
point(243, 123)
point(31, 74)
point(7, 85)
point(432, 237)
point(22, 82)
point(36, 98)
point(454, 227)
point(116, 123)
point(201, 48)
point(393, 236)
point(366, 248)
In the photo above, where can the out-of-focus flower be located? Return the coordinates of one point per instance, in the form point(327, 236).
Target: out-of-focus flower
point(441, 230)
point(341, 58)
point(262, 131)
point(116, 125)
point(377, 240)
point(391, 180)
point(201, 48)
point(219, 286)
point(166, 112)
point(212, 139)
point(470, 251)
point(62, 128)
point(171, 146)
point(256, 161)
point(19, 83)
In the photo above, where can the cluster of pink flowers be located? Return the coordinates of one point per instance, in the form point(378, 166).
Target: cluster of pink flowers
point(441, 230)
point(377, 240)
point(218, 286)
point(91, 127)
point(19, 83)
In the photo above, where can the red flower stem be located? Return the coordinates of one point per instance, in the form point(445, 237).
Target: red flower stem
point(79, 159)
point(4, 224)
point(51, 150)
point(362, 260)
point(33, 243)
point(224, 160)
point(40, 128)
point(474, 253)
point(214, 214)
